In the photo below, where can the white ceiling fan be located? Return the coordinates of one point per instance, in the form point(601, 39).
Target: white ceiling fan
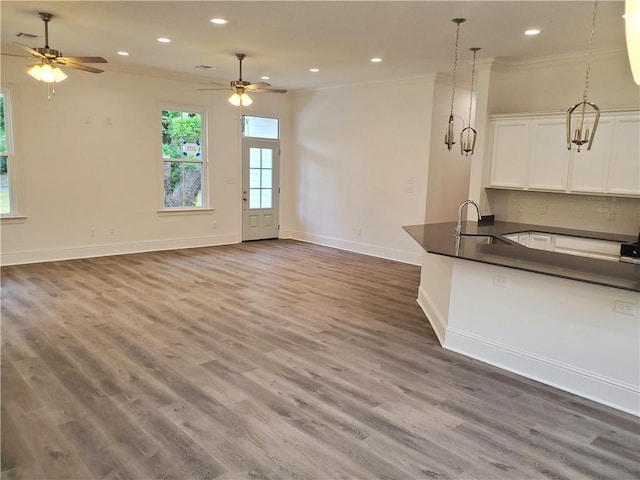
point(240, 87)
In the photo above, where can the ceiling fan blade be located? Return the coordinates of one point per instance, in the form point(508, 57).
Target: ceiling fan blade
point(33, 52)
point(270, 90)
point(258, 85)
point(64, 60)
point(221, 88)
point(220, 84)
point(79, 66)
point(14, 55)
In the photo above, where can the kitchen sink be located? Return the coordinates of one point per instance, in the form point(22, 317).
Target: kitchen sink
point(482, 240)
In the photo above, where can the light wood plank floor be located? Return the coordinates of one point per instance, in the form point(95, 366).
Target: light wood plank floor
point(273, 359)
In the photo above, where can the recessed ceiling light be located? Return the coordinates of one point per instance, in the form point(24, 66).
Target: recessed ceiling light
point(219, 21)
point(164, 40)
point(314, 70)
point(265, 77)
point(376, 60)
point(532, 31)
point(123, 53)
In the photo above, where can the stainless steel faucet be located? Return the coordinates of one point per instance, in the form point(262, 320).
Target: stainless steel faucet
point(458, 228)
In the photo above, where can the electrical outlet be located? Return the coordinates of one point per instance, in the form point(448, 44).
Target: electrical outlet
point(611, 216)
point(543, 209)
point(92, 232)
point(359, 232)
point(502, 282)
point(522, 208)
point(625, 308)
point(112, 231)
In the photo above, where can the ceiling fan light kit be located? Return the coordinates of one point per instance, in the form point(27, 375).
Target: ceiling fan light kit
point(582, 118)
point(44, 72)
point(240, 99)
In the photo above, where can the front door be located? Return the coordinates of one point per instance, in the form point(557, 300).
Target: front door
point(260, 188)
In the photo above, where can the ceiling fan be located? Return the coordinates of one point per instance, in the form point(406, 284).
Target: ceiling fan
point(46, 70)
point(240, 87)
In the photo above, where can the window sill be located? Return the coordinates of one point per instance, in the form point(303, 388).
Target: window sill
point(9, 219)
point(185, 211)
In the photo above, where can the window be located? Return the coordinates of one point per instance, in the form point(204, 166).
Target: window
point(260, 127)
point(184, 159)
point(7, 194)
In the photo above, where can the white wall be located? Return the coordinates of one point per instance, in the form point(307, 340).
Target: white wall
point(361, 159)
point(90, 159)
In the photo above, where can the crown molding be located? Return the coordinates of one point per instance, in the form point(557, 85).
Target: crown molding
point(557, 60)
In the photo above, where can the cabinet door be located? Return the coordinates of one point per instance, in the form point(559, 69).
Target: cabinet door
point(589, 167)
point(549, 155)
point(510, 153)
point(624, 168)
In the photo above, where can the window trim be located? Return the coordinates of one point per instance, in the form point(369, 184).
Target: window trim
point(14, 215)
point(204, 140)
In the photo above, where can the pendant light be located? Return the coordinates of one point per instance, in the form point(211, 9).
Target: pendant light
point(468, 135)
point(448, 137)
point(582, 118)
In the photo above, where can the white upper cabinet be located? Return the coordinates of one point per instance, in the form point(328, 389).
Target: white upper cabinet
point(530, 153)
point(509, 165)
point(589, 167)
point(624, 167)
point(550, 166)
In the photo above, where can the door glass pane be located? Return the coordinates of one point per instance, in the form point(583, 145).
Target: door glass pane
point(254, 198)
point(267, 160)
point(266, 197)
point(266, 179)
point(254, 157)
point(254, 178)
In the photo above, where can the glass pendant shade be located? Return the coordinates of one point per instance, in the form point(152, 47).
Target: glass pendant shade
point(468, 141)
point(238, 99)
point(46, 73)
point(582, 121)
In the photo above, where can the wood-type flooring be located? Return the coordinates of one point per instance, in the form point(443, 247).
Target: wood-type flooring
point(272, 359)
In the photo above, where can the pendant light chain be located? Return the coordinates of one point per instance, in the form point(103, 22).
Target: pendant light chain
point(593, 31)
point(455, 61)
point(473, 76)
point(448, 137)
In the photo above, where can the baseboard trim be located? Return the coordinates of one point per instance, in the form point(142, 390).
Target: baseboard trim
point(433, 314)
point(587, 384)
point(356, 247)
point(72, 253)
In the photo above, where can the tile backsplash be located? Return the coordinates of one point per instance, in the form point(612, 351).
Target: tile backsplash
point(584, 212)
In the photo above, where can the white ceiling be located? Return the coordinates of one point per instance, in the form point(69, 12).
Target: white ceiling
point(285, 39)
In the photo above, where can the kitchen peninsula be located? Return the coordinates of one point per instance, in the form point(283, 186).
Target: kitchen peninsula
point(564, 320)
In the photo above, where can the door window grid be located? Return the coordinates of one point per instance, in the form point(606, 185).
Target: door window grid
point(260, 178)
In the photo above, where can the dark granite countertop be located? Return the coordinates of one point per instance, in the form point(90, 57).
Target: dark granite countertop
point(438, 238)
